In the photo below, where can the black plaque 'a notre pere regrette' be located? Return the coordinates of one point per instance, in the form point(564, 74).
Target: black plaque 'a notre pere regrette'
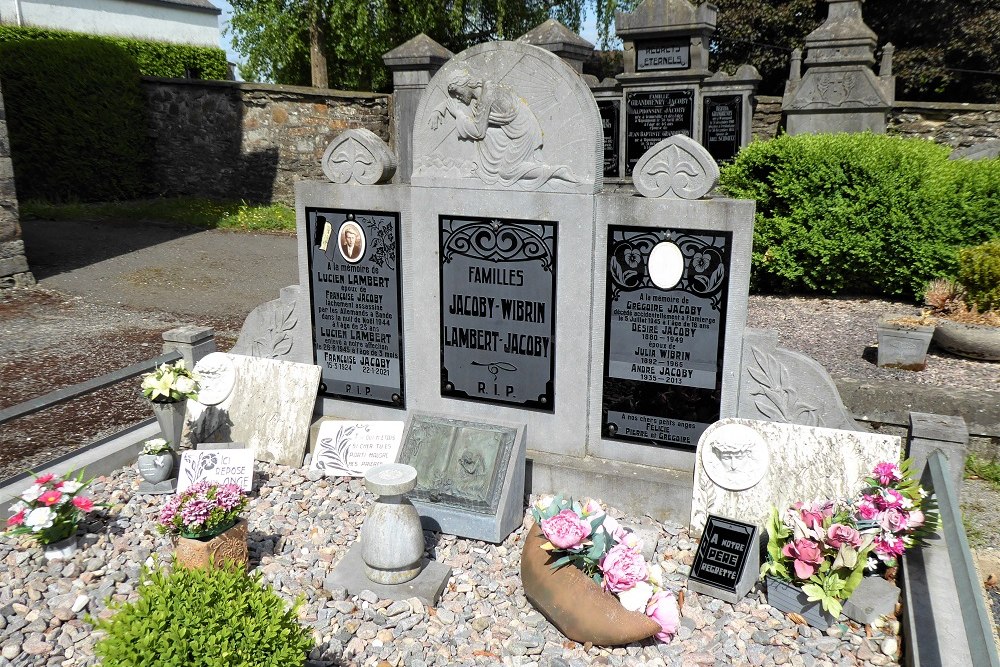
point(498, 287)
point(356, 303)
point(664, 333)
point(652, 116)
point(722, 126)
point(610, 122)
point(727, 557)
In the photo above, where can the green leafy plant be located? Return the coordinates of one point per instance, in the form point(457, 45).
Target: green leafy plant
point(979, 274)
point(203, 618)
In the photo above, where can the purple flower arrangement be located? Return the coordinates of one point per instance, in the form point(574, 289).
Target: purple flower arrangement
point(203, 510)
point(583, 535)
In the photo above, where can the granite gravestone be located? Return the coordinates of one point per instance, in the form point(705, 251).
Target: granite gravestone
point(610, 125)
point(652, 116)
point(722, 125)
point(354, 447)
point(727, 562)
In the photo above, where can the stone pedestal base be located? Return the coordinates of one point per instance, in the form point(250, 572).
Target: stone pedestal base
point(166, 486)
point(426, 586)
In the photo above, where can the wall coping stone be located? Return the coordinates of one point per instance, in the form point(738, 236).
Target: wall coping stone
point(244, 86)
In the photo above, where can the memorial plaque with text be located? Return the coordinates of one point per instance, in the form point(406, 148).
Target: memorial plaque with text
point(727, 559)
point(610, 122)
point(658, 55)
point(498, 286)
point(664, 333)
point(356, 303)
point(651, 117)
point(723, 123)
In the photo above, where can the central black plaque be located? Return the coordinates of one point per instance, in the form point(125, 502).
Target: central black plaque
point(723, 124)
point(723, 552)
point(664, 342)
point(651, 117)
point(610, 122)
point(356, 303)
point(498, 286)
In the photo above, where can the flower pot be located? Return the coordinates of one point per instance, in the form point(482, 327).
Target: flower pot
point(578, 607)
point(902, 344)
point(230, 545)
point(789, 598)
point(61, 550)
point(170, 417)
point(156, 468)
point(975, 341)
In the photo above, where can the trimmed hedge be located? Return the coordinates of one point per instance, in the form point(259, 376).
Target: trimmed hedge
point(979, 273)
point(76, 120)
point(171, 61)
point(861, 213)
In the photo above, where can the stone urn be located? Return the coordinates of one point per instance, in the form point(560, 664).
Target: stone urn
point(392, 540)
point(903, 341)
point(211, 553)
point(156, 468)
point(975, 341)
point(574, 603)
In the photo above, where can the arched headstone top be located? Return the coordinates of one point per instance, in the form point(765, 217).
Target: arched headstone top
point(359, 156)
point(678, 167)
point(508, 116)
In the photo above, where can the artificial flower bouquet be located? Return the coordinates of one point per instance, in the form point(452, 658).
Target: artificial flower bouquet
point(897, 510)
point(156, 446)
point(203, 510)
point(583, 535)
point(170, 383)
point(50, 509)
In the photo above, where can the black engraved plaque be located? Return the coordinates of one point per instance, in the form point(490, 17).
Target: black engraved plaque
point(723, 123)
point(723, 552)
point(659, 55)
point(651, 117)
point(356, 299)
point(498, 286)
point(610, 123)
point(664, 333)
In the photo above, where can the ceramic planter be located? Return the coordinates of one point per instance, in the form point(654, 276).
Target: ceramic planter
point(789, 598)
point(903, 345)
point(975, 341)
point(156, 468)
point(61, 550)
point(230, 545)
point(577, 606)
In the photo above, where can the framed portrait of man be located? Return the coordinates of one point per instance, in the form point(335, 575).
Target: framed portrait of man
point(352, 241)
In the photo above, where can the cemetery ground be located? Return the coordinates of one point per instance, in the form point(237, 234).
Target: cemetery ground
point(104, 305)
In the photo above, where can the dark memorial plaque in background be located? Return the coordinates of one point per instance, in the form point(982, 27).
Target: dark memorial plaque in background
point(658, 55)
point(727, 561)
point(651, 117)
point(723, 123)
point(664, 333)
point(498, 293)
point(356, 303)
point(610, 122)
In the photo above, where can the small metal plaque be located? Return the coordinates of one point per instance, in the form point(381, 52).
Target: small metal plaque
point(356, 304)
point(651, 117)
point(723, 126)
point(610, 123)
point(460, 464)
point(665, 320)
point(498, 286)
point(727, 556)
point(659, 55)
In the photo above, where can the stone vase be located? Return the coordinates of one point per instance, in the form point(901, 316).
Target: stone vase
point(170, 417)
point(392, 539)
point(789, 598)
point(230, 545)
point(975, 341)
point(156, 468)
point(61, 550)
point(903, 345)
point(578, 607)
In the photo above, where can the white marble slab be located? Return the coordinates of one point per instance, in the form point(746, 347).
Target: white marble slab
point(353, 447)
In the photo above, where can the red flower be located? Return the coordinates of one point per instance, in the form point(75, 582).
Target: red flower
point(83, 503)
point(44, 479)
point(807, 556)
point(16, 520)
point(50, 498)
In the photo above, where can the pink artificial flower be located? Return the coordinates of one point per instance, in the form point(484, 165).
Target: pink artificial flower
point(623, 568)
point(915, 519)
point(44, 479)
point(565, 530)
point(662, 608)
point(866, 508)
point(886, 473)
point(58, 485)
point(813, 515)
point(889, 546)
point(807, 555)
point(16, 520)
point(893, 520)
point(83, 503)
point(887, 498)
point(50, 498)
point(838, 535)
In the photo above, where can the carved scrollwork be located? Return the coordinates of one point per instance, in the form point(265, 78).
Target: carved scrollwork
point(360, 156)
point(677, 167)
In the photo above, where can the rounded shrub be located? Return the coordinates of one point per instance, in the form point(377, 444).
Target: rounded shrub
point(861, 213)
point(203, 618)
point(979, 273)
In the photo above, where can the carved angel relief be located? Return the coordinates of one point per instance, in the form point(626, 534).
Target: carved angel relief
point(677, 167)
point(358, 155)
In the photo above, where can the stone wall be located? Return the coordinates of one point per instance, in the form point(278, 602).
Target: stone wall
point(766, 118)
point(249, 141)
point(13, 264)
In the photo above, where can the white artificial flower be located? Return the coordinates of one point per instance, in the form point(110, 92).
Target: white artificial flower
point(185, 385)
point(610, 525)
point(70, 486)
point(655, 575)
point(636, 598)
point(872, 563)
point(155, 442)
point(39, 519)
point(544, 501)
point(906, 503)
point(632, 541)
point(17, 507)
point(923, 494)
point(32, 492)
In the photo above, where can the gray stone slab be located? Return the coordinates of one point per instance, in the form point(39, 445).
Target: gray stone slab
point(873, 597)
point(270, 330)
point(427, 587)
point(166, 486)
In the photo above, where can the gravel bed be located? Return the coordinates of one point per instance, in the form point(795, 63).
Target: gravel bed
point(302, 524)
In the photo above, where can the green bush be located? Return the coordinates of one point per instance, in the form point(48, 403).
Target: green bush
point(979, 273)
point(76, 120)
point(199, 618)
point(861, 213)
point(172, 61)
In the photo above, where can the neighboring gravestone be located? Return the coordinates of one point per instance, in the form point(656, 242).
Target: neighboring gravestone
point(220, 466)
point(270, 330)
point(354, 447)
point(727, 562)
point(264, 403)
point(470, 475)
point(744, 467)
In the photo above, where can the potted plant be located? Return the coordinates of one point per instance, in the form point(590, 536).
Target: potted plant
point(903, 341)
point(156, 461)
point(169, 387)
point(49, 512)
point(586, 574)
point(205, 524)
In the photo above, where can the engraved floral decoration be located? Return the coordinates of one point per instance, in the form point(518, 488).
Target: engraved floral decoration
point(382, 238)
point(775, 396)
point(276, 341)
point(350, 160)
point(677, 166)
point(358, 155)
point(494, 367)
point(334, 452)
point(201, 463)
point(498, 241)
